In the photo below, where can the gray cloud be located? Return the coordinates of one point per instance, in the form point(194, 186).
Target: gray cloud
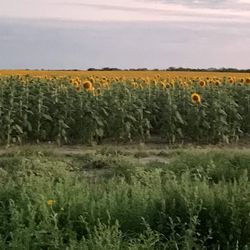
point(127, 8)
point(243, 5)
point(206, 3)
point(105, 6)
point(188, 14)
point(231, 11)
point(194, 1)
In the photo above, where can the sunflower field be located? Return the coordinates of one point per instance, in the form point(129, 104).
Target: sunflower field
point(89, 109)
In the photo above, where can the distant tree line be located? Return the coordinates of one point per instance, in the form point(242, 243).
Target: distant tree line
point(175, 69)
point(168, 69)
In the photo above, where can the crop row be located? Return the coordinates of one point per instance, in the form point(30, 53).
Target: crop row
point(86, 111)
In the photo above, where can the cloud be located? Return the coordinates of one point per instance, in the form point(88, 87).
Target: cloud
point(159, 10)
point(105, 6)
point(202, 11)
point(64, 44)
point(144, 33)
point(195, 2)
point(244, 1)
point(214, 4)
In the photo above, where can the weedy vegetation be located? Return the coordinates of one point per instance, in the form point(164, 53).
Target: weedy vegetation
point(114, 197)
point(198, 200)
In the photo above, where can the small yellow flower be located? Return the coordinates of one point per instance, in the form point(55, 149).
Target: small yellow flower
point(51, 202)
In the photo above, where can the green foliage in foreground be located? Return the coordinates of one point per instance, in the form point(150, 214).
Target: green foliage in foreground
point(197, 201)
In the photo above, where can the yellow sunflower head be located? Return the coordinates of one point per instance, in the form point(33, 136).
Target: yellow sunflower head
point(242, 80)
point(202, 83)
point(168, 85)
point(78, 88)
point(134, 84)
point(162, 85)
point(88, 85)
point(217, 83)
point(196, 98)
point(91, 79)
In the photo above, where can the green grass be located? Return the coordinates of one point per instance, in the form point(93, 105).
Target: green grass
point(198, 199)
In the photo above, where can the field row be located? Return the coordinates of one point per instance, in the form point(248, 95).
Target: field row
point(74, 110)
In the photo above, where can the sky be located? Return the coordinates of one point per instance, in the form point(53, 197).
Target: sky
point(80, 34)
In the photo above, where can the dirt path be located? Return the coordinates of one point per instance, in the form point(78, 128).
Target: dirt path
point(141, 153)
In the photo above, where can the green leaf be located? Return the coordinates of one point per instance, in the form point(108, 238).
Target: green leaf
point(99, 132)
point(18, 129)
point(47, 117)
point(179, 118)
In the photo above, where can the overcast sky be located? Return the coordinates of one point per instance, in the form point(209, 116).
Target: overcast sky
point(124, 33)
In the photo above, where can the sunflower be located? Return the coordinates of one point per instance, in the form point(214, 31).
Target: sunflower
point(168, 85)
point(242, 80)
point(154, 82)
point(162, 85)
point(134, 84)
point(88, 85)
point(77, 80)
point(78, 88)
point(96, 92)
point(248, 80)
point(92, 79)
point(217, 83)
point(202, 83)
point(196, 98)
